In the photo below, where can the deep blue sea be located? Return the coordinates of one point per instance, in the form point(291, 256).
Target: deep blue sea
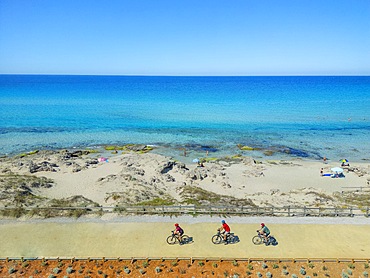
point(307, 117)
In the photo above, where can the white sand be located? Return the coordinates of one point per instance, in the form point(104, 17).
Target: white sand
point(139, 177)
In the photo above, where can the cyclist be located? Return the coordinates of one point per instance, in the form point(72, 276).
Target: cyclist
point(178, 232)
point(264, 232)
point(225, 230)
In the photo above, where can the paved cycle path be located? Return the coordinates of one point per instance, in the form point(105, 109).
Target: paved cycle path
point(86, 239)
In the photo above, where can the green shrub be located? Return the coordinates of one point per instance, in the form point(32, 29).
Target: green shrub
point(235, 263)
point(200, 263)
point(344, 275)
point(268, 275)
point(236, 275)
point(365, 274)
point(142, 271)
point(126, 270)
point(145, 264)
point(11, 270)
point(314, 274)
point(215, 265)
point(158, 269)
point(250, 267)
point(366, 265)
point(311, 265)
point(349, 271)
point(285, 272)
point(274, 266)
point(294, 276)
point(351, 266)
point(324, 268)
point(248, 272)
point(44, 263)
point(259, 274)
point(56, 270)
point(174, 263)
point(264, 266)
point(302, 271)
point(69, 270)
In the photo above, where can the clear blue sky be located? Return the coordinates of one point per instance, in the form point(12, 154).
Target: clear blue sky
point(185, 37)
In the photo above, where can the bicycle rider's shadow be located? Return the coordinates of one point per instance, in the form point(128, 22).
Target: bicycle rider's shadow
point(188, 240)
point(234, 239)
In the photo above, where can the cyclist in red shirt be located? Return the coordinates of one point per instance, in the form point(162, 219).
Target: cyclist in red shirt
point(178, 232)
point(225, 230)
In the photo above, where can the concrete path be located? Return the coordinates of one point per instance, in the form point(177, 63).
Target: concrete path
point(105, 239)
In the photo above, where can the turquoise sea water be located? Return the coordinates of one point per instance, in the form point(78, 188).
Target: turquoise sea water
point(295, 116)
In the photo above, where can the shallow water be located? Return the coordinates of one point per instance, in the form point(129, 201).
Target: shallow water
point(307, 117)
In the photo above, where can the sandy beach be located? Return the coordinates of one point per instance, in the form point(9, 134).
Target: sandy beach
point(137, 177)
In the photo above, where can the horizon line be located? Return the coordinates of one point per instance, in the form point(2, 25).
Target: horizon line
point(169, 75)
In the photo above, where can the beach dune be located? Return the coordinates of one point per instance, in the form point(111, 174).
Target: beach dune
point(131, 178)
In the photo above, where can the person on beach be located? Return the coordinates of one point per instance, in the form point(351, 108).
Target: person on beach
point(324, 159)
point(225, 230)
point(321, 171)
point(264, 231)
point(178, 232)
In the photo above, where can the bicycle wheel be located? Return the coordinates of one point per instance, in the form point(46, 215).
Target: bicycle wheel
point(185, 239)
point(171, 240)
point(257, 240)
point(216, 239)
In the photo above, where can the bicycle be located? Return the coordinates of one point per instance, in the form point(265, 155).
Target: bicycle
point(259, 239)
point(218, 238)
point(173, 239)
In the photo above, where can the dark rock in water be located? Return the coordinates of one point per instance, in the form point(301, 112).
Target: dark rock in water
point(201, 148)
point(208, 149)
point(296, 152)
point(268, 152)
